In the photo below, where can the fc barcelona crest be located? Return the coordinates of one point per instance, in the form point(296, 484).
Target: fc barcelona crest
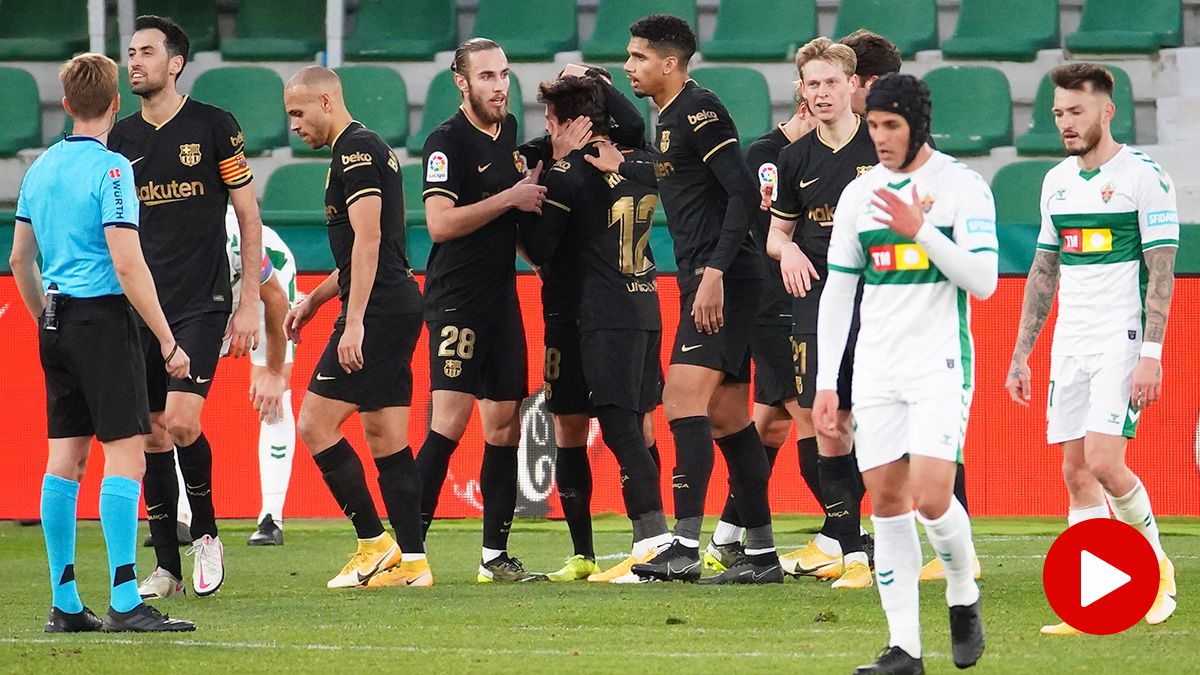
point(189, 154)
point(1107, 192)
point(519, 162)
point(664, 141)
point(452, 368)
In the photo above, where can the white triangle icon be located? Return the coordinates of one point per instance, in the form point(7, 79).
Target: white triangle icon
point(1097, 578)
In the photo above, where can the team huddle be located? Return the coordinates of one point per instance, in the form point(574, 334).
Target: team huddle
point(837, 254)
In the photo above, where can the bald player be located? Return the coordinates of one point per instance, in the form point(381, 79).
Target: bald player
point(367, 364)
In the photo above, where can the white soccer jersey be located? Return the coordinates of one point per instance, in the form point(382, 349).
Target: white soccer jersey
point(1100, 223)
point(916, 324)
point(275, 251)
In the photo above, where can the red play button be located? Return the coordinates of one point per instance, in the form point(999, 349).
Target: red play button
point(1101, 576)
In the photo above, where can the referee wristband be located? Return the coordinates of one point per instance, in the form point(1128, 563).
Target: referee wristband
point(1152, 350)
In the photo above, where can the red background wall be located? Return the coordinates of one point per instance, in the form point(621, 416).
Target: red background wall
point(1010, 469)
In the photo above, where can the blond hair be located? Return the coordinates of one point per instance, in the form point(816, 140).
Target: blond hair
point(824, 49)
point(89, 84)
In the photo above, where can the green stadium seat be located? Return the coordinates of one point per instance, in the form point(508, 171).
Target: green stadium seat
point(377, 97)
point(130, 103)
point(910, 24)
point(22, 126)
point(1042, 137)
point(972, 109)
point(42, 30)
point(742, 34)
point(533, 30)
point(1127, 27)
point(254, 95)
point(1017, 188)
point(198, 18)
point(414, 185)
point(443, 99)
point(744, 92)
point(613, 18)
point(642, 104)
point(1010, 31)
point(268, 30)
point(402, 30)
point(295, 195)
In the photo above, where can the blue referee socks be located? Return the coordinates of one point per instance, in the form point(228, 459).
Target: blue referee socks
point(118, 516)
point(59, 496)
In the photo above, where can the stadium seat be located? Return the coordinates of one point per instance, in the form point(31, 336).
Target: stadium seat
point(295, 195)
point(414, 185)
point(613, 18)
point(375, 96)
point(22, 126)
point(254, 95)
point(1011, 31)
point(533, 30)
point(1017, 188)
point(743, 35)
point(267, 30)
point(42, 30)
point(972, 109)
point(744, 92)
point(1042, 137)
point(199, 19)
point(130, 103)
point(402, 30)
point(910, 24)
point(1127, 27)
point(442, 100)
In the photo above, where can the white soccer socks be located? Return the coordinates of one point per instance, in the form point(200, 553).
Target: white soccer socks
point(950, 536)
point(1134, 509)
point(897, 566)
point(1076, 516)
point(276, 447)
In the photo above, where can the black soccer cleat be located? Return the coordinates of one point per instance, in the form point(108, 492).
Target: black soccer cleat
point(674, 563)
point(750, 569)
point(893, 661)
point(868, 547)
point(144, 619)
point(966, 634)
point(183, 536)
point(505, 568)
point(67, 622)
point(267, 534)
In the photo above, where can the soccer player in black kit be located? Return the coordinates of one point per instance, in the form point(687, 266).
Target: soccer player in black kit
point(710, 199)
point(475, 188)
point(189, 164)
point(593, 243)
point(367, 364)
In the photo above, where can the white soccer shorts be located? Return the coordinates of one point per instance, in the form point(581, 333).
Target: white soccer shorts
point(930, 421)
point(1091, 393)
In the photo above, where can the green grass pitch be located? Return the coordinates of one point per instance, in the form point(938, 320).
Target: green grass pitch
point(274, 612)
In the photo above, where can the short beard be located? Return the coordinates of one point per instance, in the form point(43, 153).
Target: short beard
point(1089, 144)
point(484, 112)
point(147, 90)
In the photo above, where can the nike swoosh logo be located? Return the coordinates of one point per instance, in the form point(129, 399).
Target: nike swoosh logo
point(137, 160)
point(760, 577)
point(835, 504)
point(151, 508)
point(483, 167)
point(203, 380)
point(806, 183)
point(361, 578)
point(682, 570)
point(688, 348)
point(323, 378)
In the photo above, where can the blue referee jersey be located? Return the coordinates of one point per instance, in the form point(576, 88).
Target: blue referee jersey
point(75, 190)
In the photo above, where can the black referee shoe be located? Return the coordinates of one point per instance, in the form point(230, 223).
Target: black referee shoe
point(66, 622)
point(674, 563)
point(966, 634)
point(144, 619)
point(183, 536)
point(267, 534)
point(750, 569)
point(893, 661)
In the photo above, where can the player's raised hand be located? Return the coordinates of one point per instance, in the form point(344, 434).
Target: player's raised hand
point(572, 136)
point(1147, 383)
point(527, 195)
point(609, 160)
point(905, 219)
point(1017, 382)
point(242, 331)
point(708, 308)
point(176, 361)
point(825, 413)
point(349, 350)
point(798, 271)
point(296, 319)
point(767, 192)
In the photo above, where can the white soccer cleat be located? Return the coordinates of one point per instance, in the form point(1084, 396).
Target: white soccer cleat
point(160, 585)
point(208, 567)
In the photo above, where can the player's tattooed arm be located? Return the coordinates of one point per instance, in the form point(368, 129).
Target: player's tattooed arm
point(1159, 288)
point(1040, 288)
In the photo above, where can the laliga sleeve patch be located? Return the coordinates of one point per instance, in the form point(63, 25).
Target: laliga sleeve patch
point(768, 174)
point(437, 170)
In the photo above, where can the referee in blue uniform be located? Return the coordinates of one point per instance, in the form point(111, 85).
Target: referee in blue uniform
point(78, 209)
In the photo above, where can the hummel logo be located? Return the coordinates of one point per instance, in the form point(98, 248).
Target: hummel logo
point(483, 167)
point(687, 348)
point(1134, 415)
point(325, 378)
point(806, 183)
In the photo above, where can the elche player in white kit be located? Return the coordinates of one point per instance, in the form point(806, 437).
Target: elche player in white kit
point(919, 229)
point(1109, 234)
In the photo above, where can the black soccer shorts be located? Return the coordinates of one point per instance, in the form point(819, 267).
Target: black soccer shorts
point(804, 356)
point(385, 380)
point(728, 350)
point(565, 389)
point(623, 367)
point(482, 356)
point(201, 337)
point(771, 351)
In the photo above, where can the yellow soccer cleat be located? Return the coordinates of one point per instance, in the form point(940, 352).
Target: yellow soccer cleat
point(857, 575)
point(1164, 604)
point(811, 560)
point(1063, 628)
point(371, 557)
point(621, 569)
point(415, 573)
point(935, 571)
point(577, 568)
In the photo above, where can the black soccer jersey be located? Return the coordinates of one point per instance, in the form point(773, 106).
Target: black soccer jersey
point(603, 221)
point(184, 169)
point(812, 175)
point(364, 166)
point(475, 273)
point(693, 131)
point(763, 160)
